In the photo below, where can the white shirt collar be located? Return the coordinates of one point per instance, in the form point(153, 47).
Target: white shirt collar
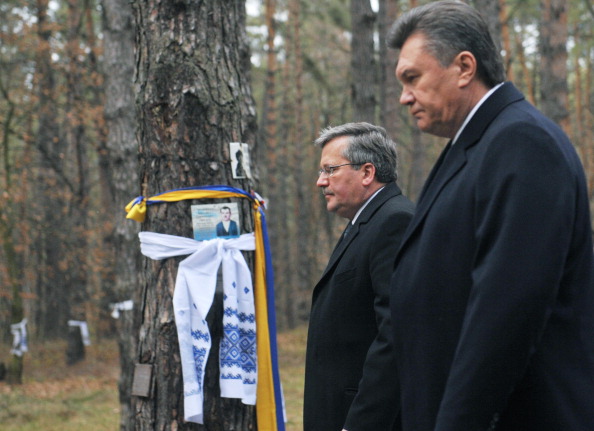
point(365, 204)
point(473, 111)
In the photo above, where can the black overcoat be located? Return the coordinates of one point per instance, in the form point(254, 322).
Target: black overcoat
point(492, 296)
point(350, 376)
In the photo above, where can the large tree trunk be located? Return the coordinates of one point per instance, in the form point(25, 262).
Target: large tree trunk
point(118, 170)
point(194, 99)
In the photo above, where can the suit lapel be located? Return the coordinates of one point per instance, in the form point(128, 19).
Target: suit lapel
point(453, 159)
point(388, 191)
point(451, 163)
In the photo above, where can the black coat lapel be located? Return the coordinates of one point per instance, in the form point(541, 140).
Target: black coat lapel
point(451, 161)
point(388, 191)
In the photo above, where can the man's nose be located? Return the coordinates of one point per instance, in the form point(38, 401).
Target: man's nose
point(322, 181)
point(406, 97)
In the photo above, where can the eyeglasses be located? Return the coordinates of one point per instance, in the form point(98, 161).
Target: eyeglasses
point(328, 171)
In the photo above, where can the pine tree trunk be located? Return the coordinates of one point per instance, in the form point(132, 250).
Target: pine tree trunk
point(118, 170)
point(363, 65)
point(553, 61)
point(194, 99)
point(75, 281)
point(49, 202)
point(389, 94)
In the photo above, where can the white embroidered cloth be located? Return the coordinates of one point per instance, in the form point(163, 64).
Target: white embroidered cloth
point(84, 330)
point(19, 340)
point(193, 296)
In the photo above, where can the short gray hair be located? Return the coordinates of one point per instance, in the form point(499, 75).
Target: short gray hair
point(367, 144)
point(450, 28)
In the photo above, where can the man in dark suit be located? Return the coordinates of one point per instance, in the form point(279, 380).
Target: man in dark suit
point(492, 294)
point(350, 374)
point(227, 227)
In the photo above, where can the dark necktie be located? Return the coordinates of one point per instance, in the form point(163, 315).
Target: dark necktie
point(346, 231)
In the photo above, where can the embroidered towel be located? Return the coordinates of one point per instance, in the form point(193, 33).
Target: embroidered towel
point(193, 296)
point(19, 340)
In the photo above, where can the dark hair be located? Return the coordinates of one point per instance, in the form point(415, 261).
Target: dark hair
point(367, 144)
point(224, 208)
point(451, 27)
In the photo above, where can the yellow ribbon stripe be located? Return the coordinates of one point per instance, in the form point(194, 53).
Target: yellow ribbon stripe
point(136, 209)
point(265, 400)
point(268, 409)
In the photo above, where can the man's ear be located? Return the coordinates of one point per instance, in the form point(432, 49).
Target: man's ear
point(467, 64)
point(368, 170)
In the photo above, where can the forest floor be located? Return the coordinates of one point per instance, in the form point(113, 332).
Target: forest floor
point(84, 396)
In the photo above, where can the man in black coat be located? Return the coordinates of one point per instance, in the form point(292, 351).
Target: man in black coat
point(350, 373)
point(492, 294)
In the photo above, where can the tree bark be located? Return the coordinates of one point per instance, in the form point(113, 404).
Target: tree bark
point(118, 170)
point(274, 187)
point(389, 86)
point(363, 66)
point(49, 202)
point(194, 99)
point(553, 61)
point(506, 40)
point(75, 140)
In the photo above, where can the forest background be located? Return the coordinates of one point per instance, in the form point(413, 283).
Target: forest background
point(69, 135)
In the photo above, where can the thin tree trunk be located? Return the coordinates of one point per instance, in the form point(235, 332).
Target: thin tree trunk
point(589, 123)
point(287, 182)
point(274, 186)
point(526, 74)
point(118, 170)
point(363, 65)
point(389, 86)
point(578, 131)
point(506, 40)
point(49, 202)
point(553, 61)
point(14, 372)
point(303, 213)
point(418, 164)
point(78, 208)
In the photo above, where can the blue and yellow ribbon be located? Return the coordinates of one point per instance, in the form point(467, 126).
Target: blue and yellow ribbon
point(269, 401)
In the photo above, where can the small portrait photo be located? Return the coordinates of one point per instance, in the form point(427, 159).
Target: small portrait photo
point(240, 160)
point(215, 221)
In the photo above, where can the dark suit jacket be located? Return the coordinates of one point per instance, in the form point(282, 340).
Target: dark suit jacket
point(348, 352)
point(492, 295)
point(233, 231)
